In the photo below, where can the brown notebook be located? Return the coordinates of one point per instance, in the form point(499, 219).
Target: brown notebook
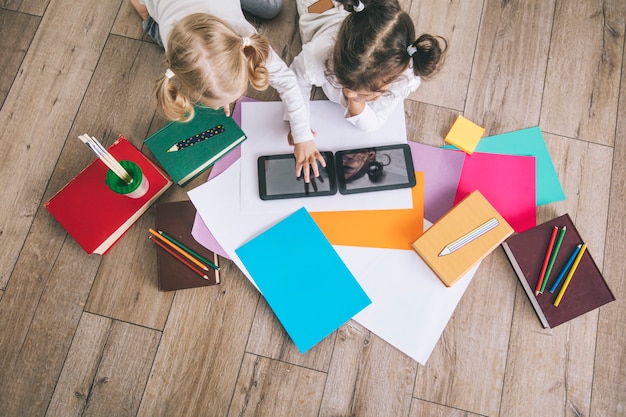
point(176, 219)
point(464, 236)
point(587, 289)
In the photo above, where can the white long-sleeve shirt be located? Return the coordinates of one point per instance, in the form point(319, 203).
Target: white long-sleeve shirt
point(319, 34)
point(167, 12)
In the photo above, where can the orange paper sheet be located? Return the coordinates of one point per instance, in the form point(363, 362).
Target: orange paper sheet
point(390, 229)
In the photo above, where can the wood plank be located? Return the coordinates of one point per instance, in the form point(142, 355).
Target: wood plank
point(581, 95)
point(421, 408)
point(75, 382)
point(367, 376)
point(507, 81)
point(123, 371)
point(268, 387)
point(18, 30)
point(202, 348)
point(427, 124)
point(39, 313)
point(456, 373)
point(608, 397)
point(551, 370)
point(34, 7)
point(128, 23)
point(268, 338)
point(50, 85)
point(458, 23)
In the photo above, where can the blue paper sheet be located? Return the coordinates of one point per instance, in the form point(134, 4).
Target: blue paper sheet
point(303, 279)
point(528, 142)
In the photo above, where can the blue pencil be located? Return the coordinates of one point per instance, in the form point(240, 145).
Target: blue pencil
point(565, 268)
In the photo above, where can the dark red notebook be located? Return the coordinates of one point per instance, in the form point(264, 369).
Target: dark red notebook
point(176, 219)
point(587, 289)
point(94, 215)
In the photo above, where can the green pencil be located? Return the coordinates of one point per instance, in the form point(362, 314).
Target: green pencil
point(194, 253)
point(555, 251)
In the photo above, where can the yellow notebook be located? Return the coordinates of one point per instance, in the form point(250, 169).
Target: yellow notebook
point(464, 236)
point(465, 134)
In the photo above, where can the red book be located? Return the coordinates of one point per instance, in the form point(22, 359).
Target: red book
point(94, 215)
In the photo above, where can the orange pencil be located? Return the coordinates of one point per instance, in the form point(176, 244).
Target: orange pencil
point(178, 249)
point(545, 261)
point(177, 256)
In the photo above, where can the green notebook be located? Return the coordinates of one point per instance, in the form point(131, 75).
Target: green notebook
point(186, 149)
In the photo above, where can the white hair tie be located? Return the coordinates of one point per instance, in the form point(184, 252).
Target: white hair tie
point(411, 50)
point(246, 41)
point(359, 7)
point(169, 74)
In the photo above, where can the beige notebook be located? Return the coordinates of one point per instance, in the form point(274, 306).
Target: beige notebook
point(464, 236)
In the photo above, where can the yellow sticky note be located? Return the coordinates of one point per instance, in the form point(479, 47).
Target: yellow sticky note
point(464, 134)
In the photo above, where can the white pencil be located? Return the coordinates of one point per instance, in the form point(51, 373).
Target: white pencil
point(106, 157)
point(470, 236)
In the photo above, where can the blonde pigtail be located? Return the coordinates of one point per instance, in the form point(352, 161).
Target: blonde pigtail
point(256, 50)
point(173, 104)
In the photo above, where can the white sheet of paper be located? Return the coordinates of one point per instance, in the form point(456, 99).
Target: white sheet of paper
point(410, 306)
point(267, 135)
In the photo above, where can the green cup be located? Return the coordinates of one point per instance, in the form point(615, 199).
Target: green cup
point(136, 189)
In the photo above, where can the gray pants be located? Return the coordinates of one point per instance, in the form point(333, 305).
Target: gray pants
point(265, 9)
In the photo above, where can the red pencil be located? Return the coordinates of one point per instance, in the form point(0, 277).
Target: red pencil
point(177, 256)
point(545, 262)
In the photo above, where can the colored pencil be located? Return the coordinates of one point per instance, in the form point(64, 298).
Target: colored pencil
point(565, 269)
point(188, 249)
point(555, 251)
point(545, 261)
point(177, 256)
point(570, 274)
point(179, 250)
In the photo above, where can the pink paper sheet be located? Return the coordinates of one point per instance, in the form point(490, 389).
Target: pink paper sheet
point(507, 181)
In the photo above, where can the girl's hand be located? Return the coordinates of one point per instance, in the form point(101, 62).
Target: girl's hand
point(306, 155)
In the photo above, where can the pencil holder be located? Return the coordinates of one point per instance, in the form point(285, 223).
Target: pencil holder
point(135, 189)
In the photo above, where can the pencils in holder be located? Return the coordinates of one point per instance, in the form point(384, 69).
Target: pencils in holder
point(106, 157)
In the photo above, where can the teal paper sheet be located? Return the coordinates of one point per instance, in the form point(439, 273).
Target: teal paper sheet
point(303, 279)
point(527, 142)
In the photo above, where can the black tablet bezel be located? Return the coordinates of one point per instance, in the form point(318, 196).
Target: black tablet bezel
point(330, 169)
point(408, 161)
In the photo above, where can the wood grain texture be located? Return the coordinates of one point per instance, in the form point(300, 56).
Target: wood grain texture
point(506, 85)
point(421, 408)
point(17, 31)
point(581, 96)
point(609, 385)
point(34, 7)
point(459, 28)
point(358, 390)
point(268, 387)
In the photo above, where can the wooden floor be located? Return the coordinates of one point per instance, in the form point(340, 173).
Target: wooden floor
point(90, 335)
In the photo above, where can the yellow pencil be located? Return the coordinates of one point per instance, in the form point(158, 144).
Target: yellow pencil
point(178, 249)
point(569, 275)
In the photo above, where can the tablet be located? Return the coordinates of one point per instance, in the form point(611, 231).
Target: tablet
point(277, 179)
point(374, 169)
